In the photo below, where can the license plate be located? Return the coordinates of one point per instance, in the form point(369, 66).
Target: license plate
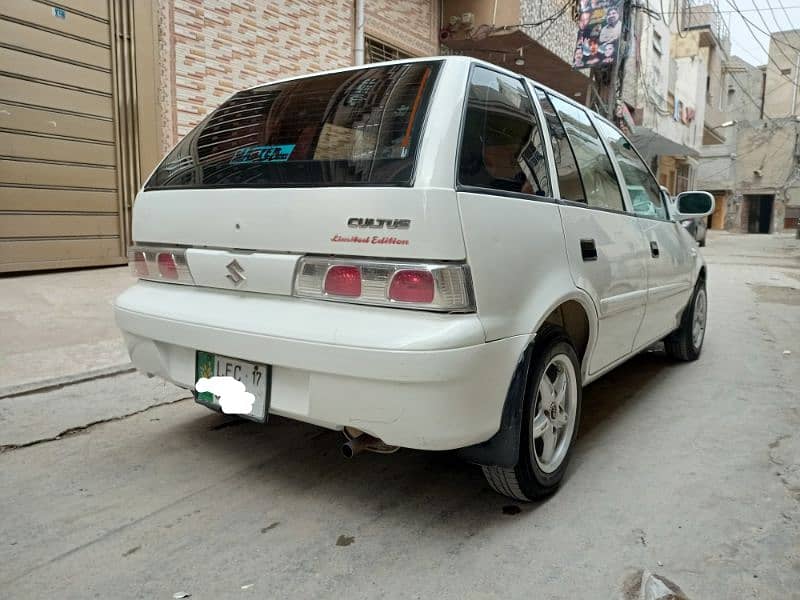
point(255, 377)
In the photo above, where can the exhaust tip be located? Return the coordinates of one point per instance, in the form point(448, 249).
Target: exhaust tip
point(347, 450)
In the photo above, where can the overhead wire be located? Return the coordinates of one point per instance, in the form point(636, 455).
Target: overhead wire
point(751, 25)
point(550, 20)
point(786, 12)
point(679, 20)
point(777, 45)
point(752, 150)
point(755, 102)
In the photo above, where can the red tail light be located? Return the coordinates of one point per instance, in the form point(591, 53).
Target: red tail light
point(167, 266)
point(412, 286)
point(342, 280)
point(433, 286)
point(140, 264)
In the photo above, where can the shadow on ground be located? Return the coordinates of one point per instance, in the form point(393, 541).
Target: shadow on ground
point(300, 458)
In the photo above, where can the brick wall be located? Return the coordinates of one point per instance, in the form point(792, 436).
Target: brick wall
point(411, 25)
point(211, 48)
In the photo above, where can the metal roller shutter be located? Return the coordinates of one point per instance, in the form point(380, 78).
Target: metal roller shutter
point(64, 178)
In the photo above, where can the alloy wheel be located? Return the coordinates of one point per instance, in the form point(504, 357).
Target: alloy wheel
point(554, 414)
point(699, 319)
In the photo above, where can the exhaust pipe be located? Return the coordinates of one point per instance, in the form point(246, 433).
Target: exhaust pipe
point(358, 444)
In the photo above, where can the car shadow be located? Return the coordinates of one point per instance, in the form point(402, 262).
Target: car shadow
point(287, 459)
point(613, 392)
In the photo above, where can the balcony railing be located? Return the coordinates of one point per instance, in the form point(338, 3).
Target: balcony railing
point(700, 14)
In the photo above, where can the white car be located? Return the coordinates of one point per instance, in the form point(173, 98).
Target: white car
point(434, 254)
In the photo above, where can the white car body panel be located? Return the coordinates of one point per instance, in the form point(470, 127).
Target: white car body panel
point(536, 263)
point(302, 220)
point(411, 378)
point(616, 281)
point(669, 278)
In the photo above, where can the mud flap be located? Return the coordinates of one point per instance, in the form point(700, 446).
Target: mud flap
point(502, 449)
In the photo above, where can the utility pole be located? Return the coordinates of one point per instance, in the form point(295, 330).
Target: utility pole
point(359, 32)
point(615, 83)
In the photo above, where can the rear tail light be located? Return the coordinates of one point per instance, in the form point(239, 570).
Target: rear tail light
point(160, 264)
point(343, 280)
point(139, 264)
point(443, 287)
point(166, 265)
point(412, 286)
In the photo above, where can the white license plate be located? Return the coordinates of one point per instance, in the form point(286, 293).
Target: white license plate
point(255, 377)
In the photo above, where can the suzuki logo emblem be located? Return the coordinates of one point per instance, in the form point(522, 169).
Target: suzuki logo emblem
point(235, 272)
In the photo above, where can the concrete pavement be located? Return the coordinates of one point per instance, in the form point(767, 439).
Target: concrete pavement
point(55, 326)
point(691, 471)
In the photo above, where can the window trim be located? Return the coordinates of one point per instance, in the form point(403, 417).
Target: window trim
point(531, 84)
point(476, 189)
point(623, 190)
point(555, 186)
point(569, 143)
point(644, 162)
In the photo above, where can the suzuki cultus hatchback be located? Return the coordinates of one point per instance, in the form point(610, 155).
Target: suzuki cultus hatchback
point(433, 254)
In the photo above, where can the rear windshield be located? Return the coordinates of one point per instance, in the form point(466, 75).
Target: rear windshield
point(351, 128)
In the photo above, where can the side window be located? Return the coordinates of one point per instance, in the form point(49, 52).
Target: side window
point(569, 179)
point(645, 193)
point(597, 172)
point(502, 146)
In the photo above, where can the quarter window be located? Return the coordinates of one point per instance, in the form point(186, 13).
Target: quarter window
point(642, 187)
point(502, 146)
point(597, 172)
point(569, 179)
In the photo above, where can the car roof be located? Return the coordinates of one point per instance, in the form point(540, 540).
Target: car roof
point(461, 59)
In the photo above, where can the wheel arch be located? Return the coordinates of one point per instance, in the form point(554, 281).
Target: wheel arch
point(576, 314)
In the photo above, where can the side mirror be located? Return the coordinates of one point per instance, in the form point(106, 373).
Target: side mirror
point(692, 205)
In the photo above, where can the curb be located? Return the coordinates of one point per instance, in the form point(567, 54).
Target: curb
point(45, 385)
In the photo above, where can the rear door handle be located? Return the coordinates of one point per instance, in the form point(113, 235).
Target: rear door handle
point(654, 249)
point(588, 250)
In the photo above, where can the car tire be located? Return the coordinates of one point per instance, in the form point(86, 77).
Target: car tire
point(702, 243)
point(551, 414)
point(686, 342)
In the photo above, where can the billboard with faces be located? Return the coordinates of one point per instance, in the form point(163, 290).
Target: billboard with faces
point(599, 33)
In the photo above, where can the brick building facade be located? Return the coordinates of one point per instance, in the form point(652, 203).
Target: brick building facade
point(210, 48)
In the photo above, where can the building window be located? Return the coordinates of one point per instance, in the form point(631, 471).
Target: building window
point(786, 71)
point(682, 179)
point(376, 51)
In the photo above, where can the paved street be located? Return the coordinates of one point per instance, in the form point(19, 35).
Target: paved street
point(121, 487)
point(56, 326)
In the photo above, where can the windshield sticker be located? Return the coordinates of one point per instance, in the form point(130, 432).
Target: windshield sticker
point(262, 154)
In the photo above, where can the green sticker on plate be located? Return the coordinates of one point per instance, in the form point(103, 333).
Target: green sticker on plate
point(204, 367)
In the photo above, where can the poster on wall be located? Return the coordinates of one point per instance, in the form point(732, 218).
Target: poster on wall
point(599, 33)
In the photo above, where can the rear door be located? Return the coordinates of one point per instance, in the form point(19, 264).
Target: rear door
point(605, 245)
point(324, 164)
point(669, 261)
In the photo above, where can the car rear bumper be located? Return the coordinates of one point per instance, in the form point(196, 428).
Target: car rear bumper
point(412, 379)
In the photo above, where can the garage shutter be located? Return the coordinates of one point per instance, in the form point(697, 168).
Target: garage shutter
point(62, 190)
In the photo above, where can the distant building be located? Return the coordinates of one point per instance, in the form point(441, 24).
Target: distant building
point(672, 86)
point(750, 162)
